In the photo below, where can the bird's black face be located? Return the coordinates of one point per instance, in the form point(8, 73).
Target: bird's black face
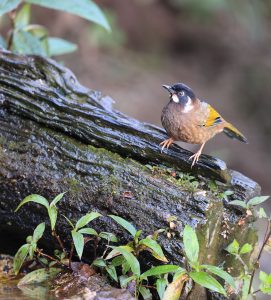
point(180, 93)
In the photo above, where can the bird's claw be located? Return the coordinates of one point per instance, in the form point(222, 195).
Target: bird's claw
point(195, 158)
point(166, 144)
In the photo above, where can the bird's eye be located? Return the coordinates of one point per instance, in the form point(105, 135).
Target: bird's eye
point(182, 93)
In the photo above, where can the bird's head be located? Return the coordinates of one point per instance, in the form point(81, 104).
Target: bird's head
point(181, 94)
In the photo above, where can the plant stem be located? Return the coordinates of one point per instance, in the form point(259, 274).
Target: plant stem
point(96, 241)
point(11, 16)
point(265, 240)
point(257, 291)
point(54, 234)
point(149, 286)
point(71, 254)
point(242, 262)
point(39, 252)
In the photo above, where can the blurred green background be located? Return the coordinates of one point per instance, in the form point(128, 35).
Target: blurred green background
point(220, 48)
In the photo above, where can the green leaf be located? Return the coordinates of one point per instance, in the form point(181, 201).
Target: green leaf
point(118, 261)
point(99, 262)
point(41, 33)
point(125, 267)
point(26, 43)
point(257, 200)
point(32, 249)
point(59, 46)
point(125, 224)
point(207, 281)
point(159, 270)
point(57, 199)
point(174, 289)
point(52, 212)
point(110, 237)
point(131, 259)
point(263, 276)
point(238, 203)
point(39, 276)
point(265, 289)
point(111, 270)
point(138, 234)
point(233, 248)
point(78, 241)
point(43, 260)
point(245, 287)
point(178, 273)
point(261, 213)
point(83, 221)
point(29, 239)
point(115, 252)
point(38, 232)
point(33, 198)
point(228, 193)
point(246, 248)
point(221, 273)
point(155, 248)
point(69, 221)
point(86, 9)
point(145, 293)
point(22, 17)
point(161, 285)
point(8, 5)
point(124, 280)
point(89, 231)
point(265, 285)
point(191, 244)
point(20, 257)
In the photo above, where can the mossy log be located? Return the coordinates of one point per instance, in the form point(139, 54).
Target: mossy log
point(56, 135)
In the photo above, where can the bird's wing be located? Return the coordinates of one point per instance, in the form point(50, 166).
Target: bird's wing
point(213, 118)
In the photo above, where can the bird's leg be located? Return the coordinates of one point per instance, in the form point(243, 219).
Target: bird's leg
point(166, 143)
point(196, 155)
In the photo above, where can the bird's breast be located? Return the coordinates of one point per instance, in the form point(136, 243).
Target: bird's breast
point(186, 127)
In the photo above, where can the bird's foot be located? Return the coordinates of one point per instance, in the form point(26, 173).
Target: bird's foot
point(166, 143)
point(195, 158)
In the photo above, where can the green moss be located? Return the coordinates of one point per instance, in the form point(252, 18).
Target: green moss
point(104, 152)
point(2, 140)
point(74, 186)
point(110, 185)
point(185, 180)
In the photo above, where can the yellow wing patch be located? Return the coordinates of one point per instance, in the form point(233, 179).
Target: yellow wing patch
point(214, 117)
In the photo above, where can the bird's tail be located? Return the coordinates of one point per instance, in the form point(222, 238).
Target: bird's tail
point(234, 133)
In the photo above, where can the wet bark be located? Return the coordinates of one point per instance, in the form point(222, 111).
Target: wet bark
point(56, 135)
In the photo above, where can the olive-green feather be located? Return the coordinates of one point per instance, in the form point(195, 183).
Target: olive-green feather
point(234, 133)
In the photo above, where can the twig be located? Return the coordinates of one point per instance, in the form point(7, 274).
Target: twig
point(11, 15)
point(39, 252)
point(265, 240)
point(96, 241)
point(71, 254)
point(54, 234)
point(242, 262)
point(257, 291)
point(106, 248)
point(148, 286)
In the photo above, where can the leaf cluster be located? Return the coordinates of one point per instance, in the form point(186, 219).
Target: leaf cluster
point(27, 38)
point(122, 262)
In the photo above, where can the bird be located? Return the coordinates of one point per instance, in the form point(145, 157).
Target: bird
point(188, 119)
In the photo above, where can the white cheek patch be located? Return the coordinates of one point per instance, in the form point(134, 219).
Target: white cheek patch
point(188, 106)
point(175, 98)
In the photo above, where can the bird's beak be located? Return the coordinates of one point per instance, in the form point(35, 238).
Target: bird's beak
point(168, 88)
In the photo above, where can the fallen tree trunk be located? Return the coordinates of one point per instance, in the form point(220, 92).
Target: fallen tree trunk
point(56, 136)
